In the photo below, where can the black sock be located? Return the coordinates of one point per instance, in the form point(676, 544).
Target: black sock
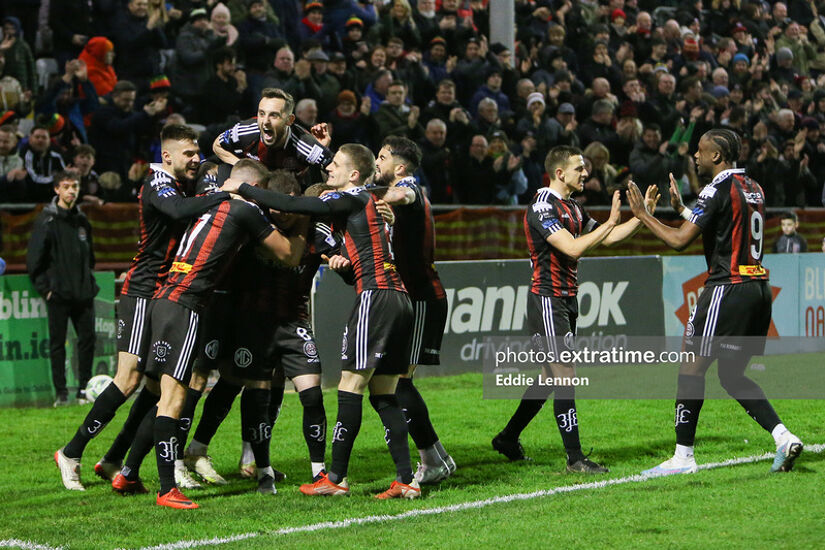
point(103, 411)
point(166, 445)
point(690, 396)
point(395, 434)
point(747, 393)
point(143, 442)
point(186, 416)
point(531, 403)
point(416, 412)
point(315, 422)
point(215, 408)
point(143, 403)
point(564, 408)
point(344, 434)
point(256, 425)
point(276, 399)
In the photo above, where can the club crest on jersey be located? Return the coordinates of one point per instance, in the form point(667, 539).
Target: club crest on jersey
point(211, 349)
point(310, 351)
point(243, 358)
point(161, 349)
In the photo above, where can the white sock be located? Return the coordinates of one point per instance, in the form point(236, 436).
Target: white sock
point(317, 467)
point(196, 448)
point(683, 452)
point(247, 456)
point(179, 464)
point(266, 472)
point(779, 433)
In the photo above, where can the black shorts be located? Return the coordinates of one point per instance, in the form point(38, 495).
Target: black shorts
point(216, 331)
point(260, 348)
point(173, 343)
point(552, 322)
point(377, 335)
point(429, 319)
point(132, 323)
point(730, 320)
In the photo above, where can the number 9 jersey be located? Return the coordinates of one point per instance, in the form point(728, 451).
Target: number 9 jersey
point(731, 213)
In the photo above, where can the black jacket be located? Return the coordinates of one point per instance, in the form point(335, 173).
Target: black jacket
point(61, 258)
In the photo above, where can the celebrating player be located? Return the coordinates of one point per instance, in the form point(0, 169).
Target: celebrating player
point(558, 233)
point(735, 304)
point(413, 240)
point(165, 205)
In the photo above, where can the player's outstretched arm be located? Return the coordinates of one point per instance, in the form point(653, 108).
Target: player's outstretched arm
point(675, 237)
point(223, 154)
point(399, 196)
point(285, 203)
point(575, 247)
point(631, 227)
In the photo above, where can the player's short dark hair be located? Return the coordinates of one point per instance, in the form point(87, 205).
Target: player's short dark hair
point(558, 156)
point(282, 181)
point(204, 169)
point(361, 159)
point(727, 142)
point(316, 189)
point(277, 93)
point(66, 175)
point(124, 86)
point(252, 169)
point(83, 149)
point(178, 132)
point(405, 149)
point(789, 215)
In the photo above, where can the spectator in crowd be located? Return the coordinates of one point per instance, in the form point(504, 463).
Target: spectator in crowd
point(351, 124)
point(194, 48)
point(312, 27)
point(226, 93)
point(471, 69)
point(426, 21)
point(258, 40)
point(117, 128)
point(292, 77)
point(599, 126)
point(306, 112)
point(18, 55)
point(326, 82)
point(477, 182)
point(790, 241)
point(138, 37)
point(487, 121)
point(601, 179)
point(12, 96)
point(651, 162)
point(510, 181)
point(41, 162)
point(492, 89)
point(395, 117)
point(446, 108)
point(83, 162)
point(537, 122)
point(60, 262)
point(377, 90)
point(99, 55)
point(72, 26)
point(436, 162)
point(339, 12)
point(337, 68)
point(12, 173)
point(398, 22)
point(562, 128)
point(222, 25)
point(73, 97)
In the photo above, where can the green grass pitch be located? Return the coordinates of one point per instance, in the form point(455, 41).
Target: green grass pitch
point(741, 506)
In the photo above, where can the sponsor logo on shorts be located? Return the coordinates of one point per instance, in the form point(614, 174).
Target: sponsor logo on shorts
point(310, 351)
point(180, 267)
point(751, 270)
point(570, 340)
point(344, 344)
point(211, 349)
point(121, 325)
point(431, 351)
point(162, 349)
point(379, 354)
point(243, 358)
point(689, 330)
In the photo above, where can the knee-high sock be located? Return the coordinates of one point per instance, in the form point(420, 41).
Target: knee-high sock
point(747, 392)
point(690, 396)
point(166, 446)
point(531, 403)
point(315, 423)
point(416, 412)
point(103, 411)
point(186, 417)
point(143, 403)
point(567, 419)
point(215, 408)
point(143, 442)
point(256, 421)
point(343, 435)
point(395, 434)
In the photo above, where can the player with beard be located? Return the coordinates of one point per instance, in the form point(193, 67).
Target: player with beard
point(559, 232)
point(381, 318)
point(275, 140)
point(165, 206)
point(413, 240)
point(733, 314)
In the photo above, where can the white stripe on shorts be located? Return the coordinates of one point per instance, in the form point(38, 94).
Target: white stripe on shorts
point(188, 346)
point(362, 331)
point(710, 322)
point(135, 339)
point(418, 331)
point(549, 327)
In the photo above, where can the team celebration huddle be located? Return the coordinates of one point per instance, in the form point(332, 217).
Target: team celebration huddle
point(222, 277)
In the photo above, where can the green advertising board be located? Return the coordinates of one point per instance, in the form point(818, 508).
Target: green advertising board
point(25, 374)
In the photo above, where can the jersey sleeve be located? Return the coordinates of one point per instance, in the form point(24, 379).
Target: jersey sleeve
point(325, 241)
point(331, 203)
point(710, 203)
point(418, 203)
point(165, 197)
point(543, 218)
point(237, 138)
point(588, 223)
point(253, 221)
point(310, 149)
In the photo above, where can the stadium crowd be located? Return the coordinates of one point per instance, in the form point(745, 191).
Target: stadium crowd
point(632, 82)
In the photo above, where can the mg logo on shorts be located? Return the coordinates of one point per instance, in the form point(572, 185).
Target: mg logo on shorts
point(689, 330)
point(211, 349)
point(162, 350)
point(243, 358)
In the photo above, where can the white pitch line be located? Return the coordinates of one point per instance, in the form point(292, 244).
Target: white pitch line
point(185, 544)
point(26, 545)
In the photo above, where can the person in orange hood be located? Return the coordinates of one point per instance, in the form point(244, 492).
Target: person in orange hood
point(99, 54)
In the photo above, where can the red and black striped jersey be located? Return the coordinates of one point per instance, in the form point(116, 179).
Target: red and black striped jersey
point(207, 248)
point(300, 150)
point(355, 214)
point(413, 242)
point(731, 213)
point(264, 285)
point(554, 273)
point(165, 207)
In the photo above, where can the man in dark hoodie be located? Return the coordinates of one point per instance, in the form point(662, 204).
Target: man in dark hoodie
point(60, 263)
point(138, 37)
